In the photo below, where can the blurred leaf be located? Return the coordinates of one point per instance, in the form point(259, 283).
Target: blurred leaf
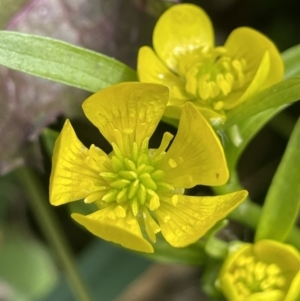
point(61, 62)
point(282, 203)
point(291, 59)
point(285, 92)
point(25, 266)
point(107, 270)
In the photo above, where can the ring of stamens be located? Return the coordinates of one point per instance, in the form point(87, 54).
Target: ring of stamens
point(253, 276)
point(134, 181)
point(213, 75)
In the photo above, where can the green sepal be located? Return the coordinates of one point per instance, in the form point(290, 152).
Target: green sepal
point(61, 62)
point(282, 203)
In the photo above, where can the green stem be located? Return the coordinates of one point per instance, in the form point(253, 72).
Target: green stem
point(248, 213)
point(38, 201)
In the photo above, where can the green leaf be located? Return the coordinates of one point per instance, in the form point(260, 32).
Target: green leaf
point(285, 92)
point(237, 137)
point(282, 203)
point(291, 59)
point(61, 62)
point(107, 269)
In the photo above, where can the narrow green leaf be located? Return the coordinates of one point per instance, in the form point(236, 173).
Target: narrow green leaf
point(291, 59)
point(107, 269)
point(237, 137)
point(61, 62)
point(285, 92)
point(282, 203)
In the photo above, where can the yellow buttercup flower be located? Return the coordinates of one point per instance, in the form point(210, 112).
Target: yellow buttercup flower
point(215, 79)
point(139, 191)
point(267, 270)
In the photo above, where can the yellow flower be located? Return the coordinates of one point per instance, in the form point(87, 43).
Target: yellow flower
point(267, 270)
point(139, 191)
point(215, 79)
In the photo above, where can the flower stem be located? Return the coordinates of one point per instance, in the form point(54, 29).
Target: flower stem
point(38, 201)
point(248, 213)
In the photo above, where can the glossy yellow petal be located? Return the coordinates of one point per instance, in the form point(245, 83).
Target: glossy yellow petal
point(74, 175)
point(196, 155)
point(272, 266)
point(256, 84)
point(187, 219)
point(294, 289)
point(180, 30)
point(152, 70)
point(123, 231)
point(250, 45)
point(286, 256)
point(127, 112)
point(274, 295)
point(215, 117)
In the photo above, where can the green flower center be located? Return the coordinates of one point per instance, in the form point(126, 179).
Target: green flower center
point(210, 74)
point(135, 180)
point(253, 276)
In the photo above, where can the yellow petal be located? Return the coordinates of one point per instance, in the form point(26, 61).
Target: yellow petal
point(285, 256)
point(256, 84)
point(294, 289)
point(187, 221)
point(215, 117)
point(181, 29)
point(72, 178)
point(250, 45)
point(196, 155)
point(127, 112)
point(274, 295)
point(173, 112)
point(152, 70)
point(123, 231)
